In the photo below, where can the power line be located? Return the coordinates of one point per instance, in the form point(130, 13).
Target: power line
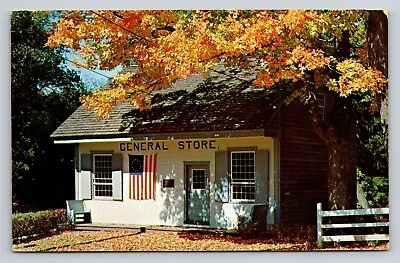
point(141, 91)
point(66, 59)
point(89, 69)
point(109, 20)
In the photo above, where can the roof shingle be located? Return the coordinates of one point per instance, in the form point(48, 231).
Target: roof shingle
point(225, 101)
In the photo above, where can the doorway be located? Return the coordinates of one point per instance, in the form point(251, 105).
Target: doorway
point(197, 186)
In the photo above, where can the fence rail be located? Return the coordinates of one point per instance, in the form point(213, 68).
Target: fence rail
point(354, 212)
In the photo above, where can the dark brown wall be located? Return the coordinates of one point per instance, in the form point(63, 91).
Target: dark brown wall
point(303, 165)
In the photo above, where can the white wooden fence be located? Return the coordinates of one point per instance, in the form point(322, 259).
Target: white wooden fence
point(355, 212)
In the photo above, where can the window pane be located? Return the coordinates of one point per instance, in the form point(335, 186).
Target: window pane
point(199, 178)
point(103, 190)
point(243, 191)
point(102, 179)
point(242, 174)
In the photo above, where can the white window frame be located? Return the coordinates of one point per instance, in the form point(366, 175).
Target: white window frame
point(231, 183)
point(93, 178)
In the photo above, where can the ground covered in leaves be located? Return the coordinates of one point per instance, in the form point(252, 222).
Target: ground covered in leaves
point(174, 241)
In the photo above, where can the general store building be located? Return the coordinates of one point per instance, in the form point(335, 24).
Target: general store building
point(207, 152)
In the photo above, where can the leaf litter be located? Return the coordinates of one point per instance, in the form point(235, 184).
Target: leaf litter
point(175, 241)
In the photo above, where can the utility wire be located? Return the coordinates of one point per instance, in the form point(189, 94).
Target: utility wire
point(112, 22)
point(149, 93)
point(89, 69)
point(50, 53)
point(140, 37)
point(66, 59)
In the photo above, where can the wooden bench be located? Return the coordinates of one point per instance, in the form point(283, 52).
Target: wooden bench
point(77, 213)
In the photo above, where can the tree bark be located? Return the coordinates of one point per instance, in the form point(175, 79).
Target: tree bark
point(342, 173)
point(377, 39)
point(338, 132)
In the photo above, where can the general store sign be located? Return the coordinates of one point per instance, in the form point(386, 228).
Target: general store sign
point(162, 146)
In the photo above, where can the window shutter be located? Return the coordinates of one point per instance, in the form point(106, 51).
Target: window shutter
point(117, 176)
point(221, 177)
point(261, 175)
point(86, 177)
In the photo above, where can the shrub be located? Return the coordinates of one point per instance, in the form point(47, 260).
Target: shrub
point(246, 228)
point(38, 223)
point(243, 225)
point(376, 189)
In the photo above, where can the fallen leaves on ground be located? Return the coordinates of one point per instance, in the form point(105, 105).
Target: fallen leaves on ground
point(169, 241)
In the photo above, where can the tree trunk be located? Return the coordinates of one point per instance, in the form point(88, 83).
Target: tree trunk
point(338, 133)
point(377, 40)
point(342, 174)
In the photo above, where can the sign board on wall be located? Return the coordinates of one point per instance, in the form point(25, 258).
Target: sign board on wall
point(162, 145)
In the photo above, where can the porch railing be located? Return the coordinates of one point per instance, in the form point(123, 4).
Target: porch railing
point(354, 212)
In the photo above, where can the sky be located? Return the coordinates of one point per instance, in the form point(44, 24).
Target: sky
point(91, 79)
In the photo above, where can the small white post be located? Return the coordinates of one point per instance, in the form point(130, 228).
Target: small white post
point(319, 225)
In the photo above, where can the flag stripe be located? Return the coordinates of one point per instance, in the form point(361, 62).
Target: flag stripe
point(144, 179)
point(129, 188)
point(143, 186)
point(149, 173)
point(154, 177)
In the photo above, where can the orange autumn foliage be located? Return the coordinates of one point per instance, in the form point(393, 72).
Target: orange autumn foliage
point(169, 45)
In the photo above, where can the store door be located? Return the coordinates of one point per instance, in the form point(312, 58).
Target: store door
point(197, 177)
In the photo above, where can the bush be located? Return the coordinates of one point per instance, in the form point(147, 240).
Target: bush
point(246, 228)
point(376, 189)
point(38, 223)
point(243, 225)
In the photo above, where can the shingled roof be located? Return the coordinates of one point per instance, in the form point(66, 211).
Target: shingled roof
point(225, 101)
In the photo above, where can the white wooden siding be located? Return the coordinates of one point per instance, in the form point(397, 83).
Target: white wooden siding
point(168, 206)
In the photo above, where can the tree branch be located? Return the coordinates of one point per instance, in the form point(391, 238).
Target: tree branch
point(112, 22)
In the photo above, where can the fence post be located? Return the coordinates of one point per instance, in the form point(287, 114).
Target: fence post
point(319, 225)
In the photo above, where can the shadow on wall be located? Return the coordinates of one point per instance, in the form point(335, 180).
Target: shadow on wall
point(221, 188)
point(173, 210)
point(198, 206)
point(175, 203)
point(221, 219)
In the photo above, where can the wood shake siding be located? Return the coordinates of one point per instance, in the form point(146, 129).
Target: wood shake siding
point(303, 165)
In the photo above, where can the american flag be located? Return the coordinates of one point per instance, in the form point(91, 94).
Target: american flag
point(142, 185)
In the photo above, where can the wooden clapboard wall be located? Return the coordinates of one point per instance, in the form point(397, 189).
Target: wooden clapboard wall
point(303, 165)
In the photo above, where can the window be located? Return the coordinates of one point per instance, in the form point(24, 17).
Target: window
point(242, 175)
point(102, 175)
point(199, 179)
